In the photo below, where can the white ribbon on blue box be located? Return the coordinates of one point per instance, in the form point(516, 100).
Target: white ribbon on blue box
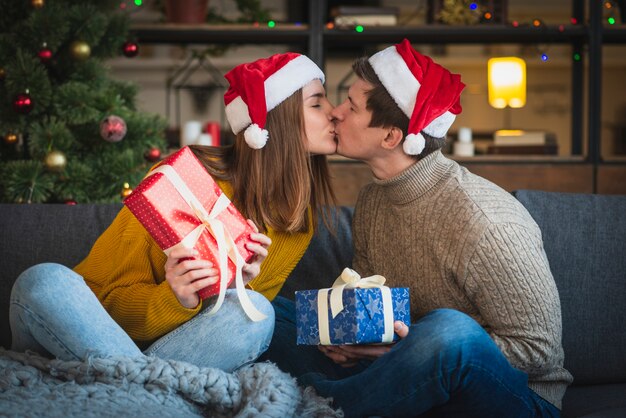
point(354, 310)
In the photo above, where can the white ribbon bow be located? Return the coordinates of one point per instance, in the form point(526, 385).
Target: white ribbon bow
point(350, 279)
point(225, 244)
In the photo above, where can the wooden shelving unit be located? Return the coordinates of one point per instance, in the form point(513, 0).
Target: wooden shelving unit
point(587, 39)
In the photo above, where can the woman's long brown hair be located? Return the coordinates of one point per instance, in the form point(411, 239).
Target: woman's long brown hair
point(275, 185)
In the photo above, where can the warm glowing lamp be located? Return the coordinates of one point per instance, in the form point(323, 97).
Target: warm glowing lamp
point(507, 82)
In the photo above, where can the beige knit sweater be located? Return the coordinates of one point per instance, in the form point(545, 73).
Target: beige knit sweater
point(459, 241)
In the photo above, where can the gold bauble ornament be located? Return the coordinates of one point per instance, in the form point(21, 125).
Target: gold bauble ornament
point(55, 161)
point(3, 73)
point(80, 50)
point(10, 139)
point(37, 4)
point(126, 191)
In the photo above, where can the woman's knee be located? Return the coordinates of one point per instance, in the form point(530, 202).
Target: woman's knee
point(261, 303)
point(264, 306)
point(41, 281)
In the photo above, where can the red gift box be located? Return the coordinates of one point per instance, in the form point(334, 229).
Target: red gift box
point(168, 217)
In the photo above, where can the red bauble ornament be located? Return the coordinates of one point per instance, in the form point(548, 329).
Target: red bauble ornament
point(130, 49)
point(23, 104)
point(45, 54)
point(153, 154)
point(70, 202)
point(112, 128)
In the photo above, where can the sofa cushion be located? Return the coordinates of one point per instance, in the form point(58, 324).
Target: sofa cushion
point(31, 234)
point(597, 401)
point(326, 256)
point(585, 240)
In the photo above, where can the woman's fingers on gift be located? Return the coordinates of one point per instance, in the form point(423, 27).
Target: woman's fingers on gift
point(181, 252)
point(250, 271)
point(257, 249)
point(262, 239)
point(202, 283)
point(188, 265)
point(188, 271)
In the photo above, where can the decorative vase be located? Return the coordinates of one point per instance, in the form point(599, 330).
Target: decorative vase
point(186, 11)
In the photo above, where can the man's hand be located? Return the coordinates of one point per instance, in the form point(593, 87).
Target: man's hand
point(253, 268)
point(349, 355)
point(186, 275)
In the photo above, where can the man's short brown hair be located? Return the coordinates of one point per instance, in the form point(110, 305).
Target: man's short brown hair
point(385, 111)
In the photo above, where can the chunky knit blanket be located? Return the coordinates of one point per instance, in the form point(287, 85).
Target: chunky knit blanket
point(33, 386)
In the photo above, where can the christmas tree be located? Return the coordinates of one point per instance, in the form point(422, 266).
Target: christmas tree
point(68, 132)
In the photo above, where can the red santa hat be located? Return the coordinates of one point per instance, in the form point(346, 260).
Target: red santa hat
point(260, 86)
point(425, 91)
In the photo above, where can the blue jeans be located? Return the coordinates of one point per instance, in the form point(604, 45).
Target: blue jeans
point(53, 311)
point(447, 366)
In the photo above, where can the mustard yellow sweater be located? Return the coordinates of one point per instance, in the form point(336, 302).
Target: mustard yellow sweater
point(125, 269)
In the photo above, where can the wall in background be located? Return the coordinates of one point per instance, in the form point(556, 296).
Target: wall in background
point(549, 83)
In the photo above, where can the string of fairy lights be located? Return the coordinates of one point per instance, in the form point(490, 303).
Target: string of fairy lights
point(611, 12)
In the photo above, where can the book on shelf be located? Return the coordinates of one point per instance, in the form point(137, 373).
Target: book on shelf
point(363, 10)
point(366, 20)
point(365, 15)
point(519, 137)
point(546, 149)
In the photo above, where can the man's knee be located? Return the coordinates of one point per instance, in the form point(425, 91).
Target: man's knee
point(449, 332)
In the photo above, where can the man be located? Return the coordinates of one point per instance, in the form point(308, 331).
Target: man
point(486, 341)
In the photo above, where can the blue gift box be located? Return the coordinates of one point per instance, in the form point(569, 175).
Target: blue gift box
point(360, 322)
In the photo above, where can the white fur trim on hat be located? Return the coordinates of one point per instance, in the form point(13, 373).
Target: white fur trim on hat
point(440, 125)
point(255, 137)
point(286, 81)
point(399, 81)
point(237, 115)
point(414, 144)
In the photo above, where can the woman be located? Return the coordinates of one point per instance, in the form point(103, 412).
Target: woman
point(275, 174)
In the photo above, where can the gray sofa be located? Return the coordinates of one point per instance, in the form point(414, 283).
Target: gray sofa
point(584, 236)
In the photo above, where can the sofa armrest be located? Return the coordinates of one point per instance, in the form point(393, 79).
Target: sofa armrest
point(32, 234)
point(584, 236)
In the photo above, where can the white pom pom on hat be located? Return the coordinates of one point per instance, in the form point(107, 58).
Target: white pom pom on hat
point(414, 144)
point(256, 137)
point(260, 86)
point(425, 91)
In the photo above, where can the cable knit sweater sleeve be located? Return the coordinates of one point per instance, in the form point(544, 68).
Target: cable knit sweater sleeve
point(509, 281)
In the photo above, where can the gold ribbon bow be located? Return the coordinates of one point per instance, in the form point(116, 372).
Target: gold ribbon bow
point(350, 279)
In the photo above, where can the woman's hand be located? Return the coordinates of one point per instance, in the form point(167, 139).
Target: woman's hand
point(187, 275)
point(259, 248)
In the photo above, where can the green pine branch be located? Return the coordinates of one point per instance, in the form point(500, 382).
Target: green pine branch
point(71, 98)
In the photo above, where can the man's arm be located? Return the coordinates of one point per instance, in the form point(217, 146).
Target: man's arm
point(509, 280)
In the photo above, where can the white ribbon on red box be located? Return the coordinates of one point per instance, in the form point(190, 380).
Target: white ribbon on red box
point(350, 279)
point(225, 243)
